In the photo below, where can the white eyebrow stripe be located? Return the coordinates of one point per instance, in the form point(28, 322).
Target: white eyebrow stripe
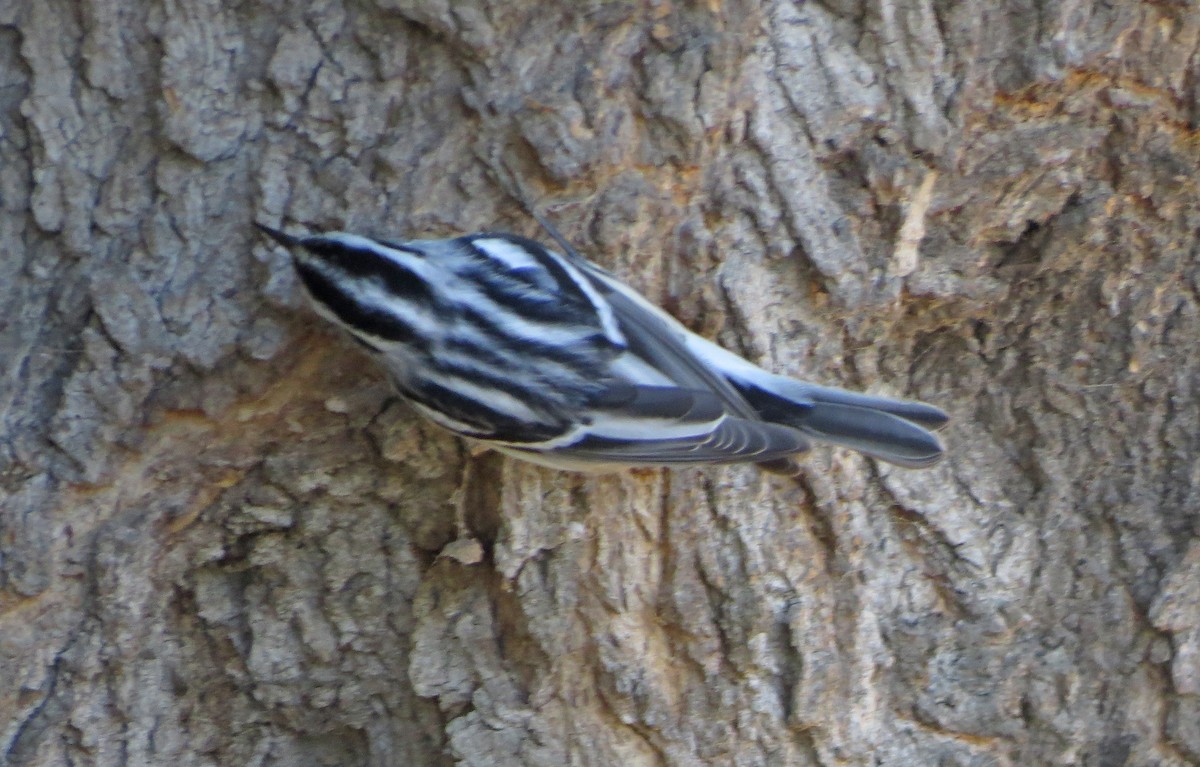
point(414, 262)
point(369, 293)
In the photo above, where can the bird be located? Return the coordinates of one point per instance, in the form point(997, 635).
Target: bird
point(547, 357)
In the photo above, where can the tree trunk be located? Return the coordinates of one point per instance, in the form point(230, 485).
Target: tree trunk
point(223, 541)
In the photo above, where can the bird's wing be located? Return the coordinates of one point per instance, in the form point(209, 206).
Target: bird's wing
point(658, 340)
point(646, 425)
point(655, 339)
point(897, 431)
point(666, 406)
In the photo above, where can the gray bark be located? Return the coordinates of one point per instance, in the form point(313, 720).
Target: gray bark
point(223, 542)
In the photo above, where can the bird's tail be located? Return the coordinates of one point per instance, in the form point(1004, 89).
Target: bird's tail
point(896, 431)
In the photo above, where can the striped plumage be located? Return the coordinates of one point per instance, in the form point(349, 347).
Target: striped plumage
point(550, 358)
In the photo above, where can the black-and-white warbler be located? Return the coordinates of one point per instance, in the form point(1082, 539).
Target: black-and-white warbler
point(549, 358)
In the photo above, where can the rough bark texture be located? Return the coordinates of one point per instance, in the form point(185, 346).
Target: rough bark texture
point(223, 543)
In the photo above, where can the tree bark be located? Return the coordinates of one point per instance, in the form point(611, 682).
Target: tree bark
point(222, 541)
